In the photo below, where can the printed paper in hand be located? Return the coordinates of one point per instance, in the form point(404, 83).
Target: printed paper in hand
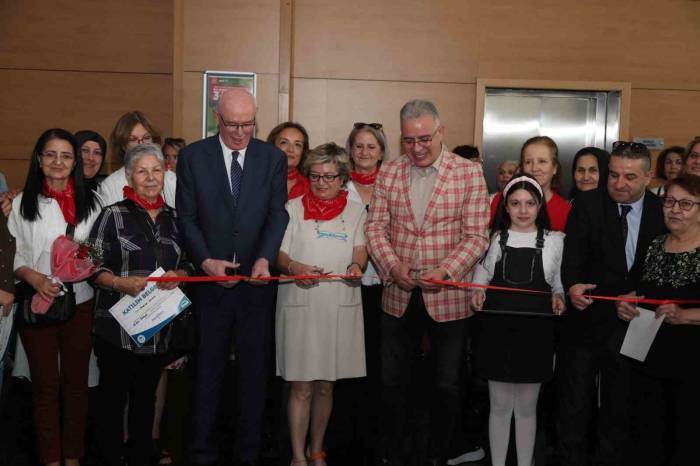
point(143, 316)
point(640, 334)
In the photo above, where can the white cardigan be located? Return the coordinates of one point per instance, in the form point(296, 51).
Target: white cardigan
point(34, 239)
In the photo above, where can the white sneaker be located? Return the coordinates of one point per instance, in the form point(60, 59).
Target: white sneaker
point(468, 456)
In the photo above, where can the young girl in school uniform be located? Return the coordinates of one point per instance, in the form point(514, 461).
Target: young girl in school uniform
point(515, 353)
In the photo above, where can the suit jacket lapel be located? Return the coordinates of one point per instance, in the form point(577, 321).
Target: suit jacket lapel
point(440, 182)
point(405, 183)
point(251, 175)
point(646, 228)
point(219, 174)
point(614, 229)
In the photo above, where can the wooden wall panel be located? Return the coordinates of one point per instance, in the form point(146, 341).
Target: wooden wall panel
point(668, 114)
point(267, 97)
point(232, 35)
point(35, 101)
point(108, 35)
point(404, 40)
point(649, 43)
point(328, 108)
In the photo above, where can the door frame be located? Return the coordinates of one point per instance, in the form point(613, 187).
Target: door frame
point(625, 89)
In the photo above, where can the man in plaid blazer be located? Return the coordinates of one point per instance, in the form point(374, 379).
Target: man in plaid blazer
point(427, 220)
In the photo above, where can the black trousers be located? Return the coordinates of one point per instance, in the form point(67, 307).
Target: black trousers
point(665, 420)
point(242, 313)
point(401, 338)
point(124, 374)
point(578, 366)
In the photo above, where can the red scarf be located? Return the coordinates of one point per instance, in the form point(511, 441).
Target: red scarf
point(130, 194)
point(301, 183)
point(365, 178)
point(65, 199)
point(323, 209)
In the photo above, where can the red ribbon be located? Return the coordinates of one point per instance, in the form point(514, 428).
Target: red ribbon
point(226, 278)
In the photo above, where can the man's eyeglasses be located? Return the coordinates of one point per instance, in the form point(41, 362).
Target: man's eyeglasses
point(236, 126)
point(377, 126)
point(684, 204)
point(694, 155)
point(147, 139)
point(422, 140)
point(634, 147)
point(328, 178)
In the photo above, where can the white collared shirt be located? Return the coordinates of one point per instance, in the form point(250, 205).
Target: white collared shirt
point(228, 158)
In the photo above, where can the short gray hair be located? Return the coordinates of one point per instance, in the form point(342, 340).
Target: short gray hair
point(328, 153)
point(417, 108)
point(137, 152)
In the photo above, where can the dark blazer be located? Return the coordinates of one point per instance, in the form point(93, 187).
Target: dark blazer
point(594, 252)
point(210, 223)
point(7, 257)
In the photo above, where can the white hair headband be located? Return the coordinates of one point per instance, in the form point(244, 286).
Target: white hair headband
point(523, 178)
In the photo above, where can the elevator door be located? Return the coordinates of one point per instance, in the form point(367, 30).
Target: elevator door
point(574, 119)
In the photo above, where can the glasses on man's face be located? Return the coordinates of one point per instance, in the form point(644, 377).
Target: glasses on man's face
point(359, 125)
point(327, 177)
point(233, 126)
point(51, 156)
point(684, 204)
point(422, 140)
point(145, 139)
point(694, 155)
point(634, 147)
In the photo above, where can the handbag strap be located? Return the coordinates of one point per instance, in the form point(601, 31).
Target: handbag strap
point(147, 230)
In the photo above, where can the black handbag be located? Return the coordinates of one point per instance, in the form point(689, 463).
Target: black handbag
point(182, 328)
point(62, 309)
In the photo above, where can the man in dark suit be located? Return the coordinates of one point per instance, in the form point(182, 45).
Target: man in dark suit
point(607, 236)
point(231, 194)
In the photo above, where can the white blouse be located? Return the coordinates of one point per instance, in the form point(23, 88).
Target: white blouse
point(370, 277)
point(34, 239)
point(112, 188)
point(551, 256)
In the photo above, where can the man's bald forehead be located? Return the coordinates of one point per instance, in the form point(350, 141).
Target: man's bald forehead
point(237, 96)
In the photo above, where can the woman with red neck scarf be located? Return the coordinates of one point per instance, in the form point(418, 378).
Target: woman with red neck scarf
point(54, 201)
point(292, 139)
point(138, 235)
point(319, 329)
point(367, 147)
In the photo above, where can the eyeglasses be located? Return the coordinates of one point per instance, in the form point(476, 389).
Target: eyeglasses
point(684, 204)
point(377, 126)
point(634, 147)
point(236, 126)
point(328, 178)
point(52, 156)
point(146, 139)
point(422, 140)
point(694, 155)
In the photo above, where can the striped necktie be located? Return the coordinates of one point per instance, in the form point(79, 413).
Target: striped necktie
point(236, 176)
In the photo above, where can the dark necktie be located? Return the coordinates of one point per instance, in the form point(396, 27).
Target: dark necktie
point(236, 176)
point(624, 210)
